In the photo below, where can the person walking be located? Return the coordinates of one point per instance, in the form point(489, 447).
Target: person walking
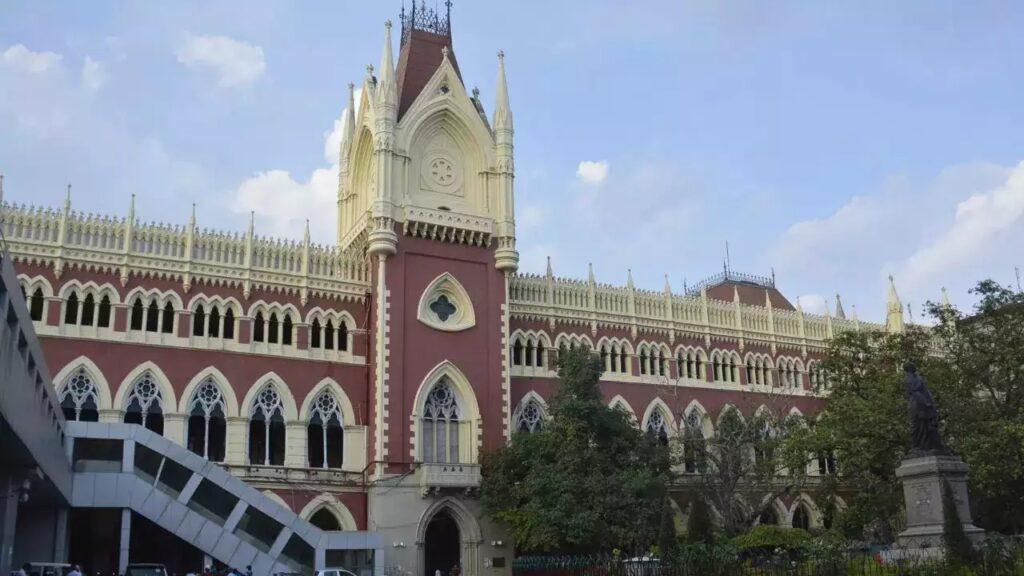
point(76, 570)
point(24, 570)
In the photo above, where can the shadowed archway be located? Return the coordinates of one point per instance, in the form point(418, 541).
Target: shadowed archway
point(442, 545)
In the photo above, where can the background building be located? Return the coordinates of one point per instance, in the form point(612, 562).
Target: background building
point(356, 385)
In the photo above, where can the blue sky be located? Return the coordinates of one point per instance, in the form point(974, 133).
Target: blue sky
point(836, 143)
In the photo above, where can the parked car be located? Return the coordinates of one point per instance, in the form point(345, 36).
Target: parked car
point(48, 569)
point(145, 570)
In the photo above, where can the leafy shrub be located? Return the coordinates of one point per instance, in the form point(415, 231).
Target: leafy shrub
point(770, 538)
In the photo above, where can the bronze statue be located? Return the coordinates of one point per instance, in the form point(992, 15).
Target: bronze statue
point(923, 415)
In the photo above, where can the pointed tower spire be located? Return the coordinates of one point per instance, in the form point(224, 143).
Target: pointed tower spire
point(590, 272)
point(349, 131)
point(668, 287)
point(1, 188)
point(840, 313)
point(387, 86)
point(767, 300)
point(945, 298)
point(894, 309)
point(629, 277)
point(549, 272)
point(67, 199)
point(502, 110)
point(736, 294)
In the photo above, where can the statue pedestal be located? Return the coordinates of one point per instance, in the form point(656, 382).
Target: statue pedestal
point(923, 478)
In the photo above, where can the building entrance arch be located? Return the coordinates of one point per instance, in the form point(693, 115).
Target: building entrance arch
point(442, 545)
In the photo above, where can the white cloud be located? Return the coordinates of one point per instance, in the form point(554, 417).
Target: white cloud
point(813, 303)
point(283, 204)
point(963, 226)
point(982, 225)
point(592, 172)
point(234, 62)
point(20, 58)
point(94, 75)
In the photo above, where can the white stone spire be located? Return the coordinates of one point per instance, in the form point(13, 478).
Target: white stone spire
point(349, 131)
point(894, 309)
point(67, 199)
point(387, 84)
point(502, 110)
point(945, 298)
point(840, 313)
point(590, 272)
point(549, 272)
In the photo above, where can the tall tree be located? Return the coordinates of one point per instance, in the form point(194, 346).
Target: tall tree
point(587, 481)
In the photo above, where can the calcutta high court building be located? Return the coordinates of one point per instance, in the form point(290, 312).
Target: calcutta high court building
point(357, 384)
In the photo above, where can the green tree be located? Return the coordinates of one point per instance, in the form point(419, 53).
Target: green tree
point(982, 399)
point(587, 481)
point(974, 365)
point(864, 424)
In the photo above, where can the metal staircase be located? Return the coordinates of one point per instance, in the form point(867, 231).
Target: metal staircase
point(129, 467)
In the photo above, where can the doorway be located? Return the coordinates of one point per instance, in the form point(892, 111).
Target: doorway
point(442, 546)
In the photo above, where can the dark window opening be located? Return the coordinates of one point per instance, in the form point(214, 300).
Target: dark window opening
point(198, 320)
point(229, 324)
point(103, 318)
point(35, 306)
point(168, 322)
point(71, 309)
point(329, 336)
point(286, 337)
point(314, 334)
point(137, 314)
point(152, 317)
point(88, 310)
point(214, 324)
point(272, 328)
point(257, 327)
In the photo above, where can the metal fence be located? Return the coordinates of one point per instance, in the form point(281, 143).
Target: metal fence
point(710, 563)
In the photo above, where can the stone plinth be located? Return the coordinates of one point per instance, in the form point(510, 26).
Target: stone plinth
point(923, 478)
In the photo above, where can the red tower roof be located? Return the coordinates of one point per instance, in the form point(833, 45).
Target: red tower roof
point(425, 34)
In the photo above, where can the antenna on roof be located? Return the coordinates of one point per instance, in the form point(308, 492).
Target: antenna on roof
point(728, 262)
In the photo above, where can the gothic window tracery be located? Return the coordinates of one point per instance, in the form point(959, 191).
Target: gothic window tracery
point(441, 422)
point(266, 428)
point(657, 427)
point(79, 400)
point(144, 404)
point(325, 432)
point(695, 444)
point(207, 427)
point(529, 417)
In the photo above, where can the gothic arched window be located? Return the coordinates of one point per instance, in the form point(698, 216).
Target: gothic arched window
point(152, 317)
point(167, 327)
point(207, 427)
point(325, 432)
point(329, 336)
point(657, 427)
point(214, 322)
point(103, 317)
point(199, 321)
point(695, 444)
point(79, 400)
point(286, 330)
point(71, 309)
point(266, 428)
point(258, 327)
point(342, 336)
point(35, 305)
point(229, 324)
point(88, 310)
point(144, 404)
point(800, 518)
point(314, 333)
point(272, 328)
point(441, 419)
point(530, 417)
point(137, 314)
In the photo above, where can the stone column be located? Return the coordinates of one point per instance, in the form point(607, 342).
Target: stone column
point(8, 518)
point(126, 539)
point(295, 444)
point(174, 428)
point(60, 536)
point(235, 451)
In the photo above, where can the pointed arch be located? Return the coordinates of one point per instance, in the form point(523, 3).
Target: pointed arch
point(469, 528)
point(659, 405)
point(336, 507)
point(168, 398)
point(725, 409)
point(524, 414)
point(226, 390)
point(697, 410)
point(814, 514)
point(348, 414)
point(469, 417)
point(619, 402)
point(276, 498)
point(283, 390)
point(102, 387)
point(458, 313)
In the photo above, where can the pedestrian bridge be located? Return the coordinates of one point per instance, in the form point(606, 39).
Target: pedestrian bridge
point(128, 467)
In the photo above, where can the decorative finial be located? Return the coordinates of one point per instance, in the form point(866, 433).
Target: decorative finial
point(369, 69)
point(501, 54)
point(387, 23)
point(945, 298)
point(590, 272)
point(476, 93)
point(444, 52)
point(549, 271)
